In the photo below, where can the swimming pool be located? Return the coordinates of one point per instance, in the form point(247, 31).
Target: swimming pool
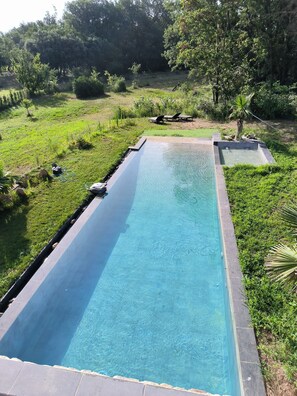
point(141, 291)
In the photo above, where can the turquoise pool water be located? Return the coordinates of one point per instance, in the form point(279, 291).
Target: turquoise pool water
point(141, 291)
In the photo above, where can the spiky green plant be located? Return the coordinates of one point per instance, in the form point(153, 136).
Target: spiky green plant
point(241, 111)
point(281, 262)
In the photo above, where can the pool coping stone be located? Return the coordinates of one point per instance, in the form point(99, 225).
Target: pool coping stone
point(18, 378)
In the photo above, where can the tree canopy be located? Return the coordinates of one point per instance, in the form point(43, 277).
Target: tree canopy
point(234, 43)
point(95, 33)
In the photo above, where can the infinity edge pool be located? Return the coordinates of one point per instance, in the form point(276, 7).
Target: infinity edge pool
point(251, 378)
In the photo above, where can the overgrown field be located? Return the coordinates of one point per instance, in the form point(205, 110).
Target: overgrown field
point(256, 195)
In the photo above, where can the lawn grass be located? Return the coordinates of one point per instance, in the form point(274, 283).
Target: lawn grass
point(199, 133)
point(256, 195)
point(57, 120)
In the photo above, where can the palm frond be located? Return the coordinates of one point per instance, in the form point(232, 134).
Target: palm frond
point(289, 215)
point(281, 264)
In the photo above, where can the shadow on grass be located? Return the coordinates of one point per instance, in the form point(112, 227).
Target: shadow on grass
point(6, 113)
point(50, 100)
point(277, 140)
point(13, 243)
point(103, 96)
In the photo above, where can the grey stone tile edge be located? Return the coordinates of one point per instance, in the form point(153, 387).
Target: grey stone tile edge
point(160, 388)
point(266, 152)
point(139, 144)
point(49, 263)
point(234, 274)
point(179, 139)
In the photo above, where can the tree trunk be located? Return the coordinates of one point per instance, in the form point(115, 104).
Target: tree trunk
point(239, 128)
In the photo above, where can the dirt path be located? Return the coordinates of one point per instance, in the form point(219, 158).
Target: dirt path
point(202, 123)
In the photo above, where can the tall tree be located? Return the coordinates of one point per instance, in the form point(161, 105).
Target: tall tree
point(61, 49)
point(31, 73)
point(233, 43)
point(208, 44)
point(271, 38)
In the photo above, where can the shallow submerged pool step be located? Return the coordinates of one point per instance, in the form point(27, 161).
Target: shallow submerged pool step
point(30, 379)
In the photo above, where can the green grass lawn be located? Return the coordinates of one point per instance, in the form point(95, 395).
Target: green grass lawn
point(199, 133)
point(256, 195)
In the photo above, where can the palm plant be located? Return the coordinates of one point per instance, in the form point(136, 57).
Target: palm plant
point(27, 103)
point(281, 262)
point(241, 111)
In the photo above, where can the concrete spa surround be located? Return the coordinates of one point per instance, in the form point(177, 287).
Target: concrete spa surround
point(19, 378)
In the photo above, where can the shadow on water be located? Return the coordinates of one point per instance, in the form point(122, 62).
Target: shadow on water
point(43, 331)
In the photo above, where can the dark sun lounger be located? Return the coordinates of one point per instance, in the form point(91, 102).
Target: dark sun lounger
point(157, 120)
point(174, 117)
point(184, 117)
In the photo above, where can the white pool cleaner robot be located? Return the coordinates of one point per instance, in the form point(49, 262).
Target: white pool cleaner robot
point(98, 188)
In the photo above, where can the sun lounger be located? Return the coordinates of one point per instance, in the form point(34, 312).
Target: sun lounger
point(157, 120)
point(174, 117)
point(185, 117)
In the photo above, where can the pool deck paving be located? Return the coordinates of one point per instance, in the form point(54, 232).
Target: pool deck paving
point(19, 378)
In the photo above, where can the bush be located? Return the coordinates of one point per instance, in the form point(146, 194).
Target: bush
point(115, 83)
point(120, 85)
point(218, 112)
point(145, 107)
point(122, 112)
point(87, 87)
point(6, 202)
point(81, 144)
point(276, 101)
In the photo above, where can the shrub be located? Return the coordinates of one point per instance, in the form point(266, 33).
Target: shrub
point(6, 202)
point(115, 83)
point(87, 87)
point(274, 101)
point(144, 107)
point(81, 144)
point(122, 112)
point(219, 112)
point(135, 69)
